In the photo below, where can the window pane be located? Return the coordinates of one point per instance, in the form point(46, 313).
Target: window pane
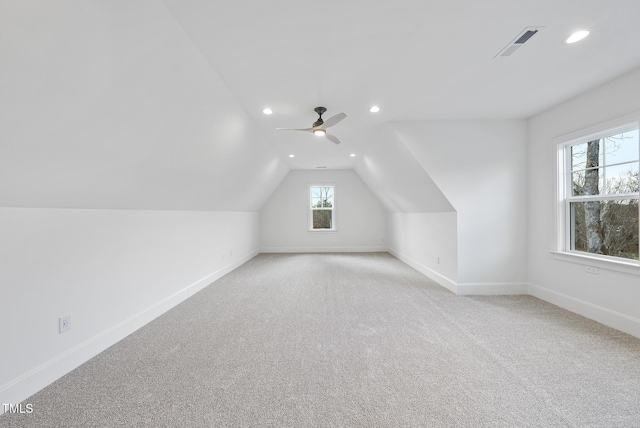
point(579, 153)
point(578, 156)
point(622, 178)
point(328, 202)
point(327, 196)
point(605, 227)
point(322, 197)
point(589, 182)
point(322, 219)
point(622, 147)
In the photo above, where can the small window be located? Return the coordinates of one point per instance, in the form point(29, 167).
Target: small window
point(599, 194)
point(322, 208)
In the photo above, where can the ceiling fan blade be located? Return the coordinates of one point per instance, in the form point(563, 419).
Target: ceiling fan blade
point(332, 138)
point(333, 120)
point(294, 129)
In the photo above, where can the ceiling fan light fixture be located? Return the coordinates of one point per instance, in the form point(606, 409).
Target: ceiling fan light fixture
point(577, 36)
point(319, 127)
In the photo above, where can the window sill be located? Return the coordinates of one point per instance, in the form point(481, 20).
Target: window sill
point(629, 267)
point(322, 230)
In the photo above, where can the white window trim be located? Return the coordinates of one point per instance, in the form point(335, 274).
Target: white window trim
point(561, 252)
point(334, 223)
point(602, 262)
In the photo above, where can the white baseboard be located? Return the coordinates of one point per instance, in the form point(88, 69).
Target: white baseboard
point(492, 288)
point(357, 249)
point(608, 317)
point(426, 271)
point(464, 289)
point(29, 383)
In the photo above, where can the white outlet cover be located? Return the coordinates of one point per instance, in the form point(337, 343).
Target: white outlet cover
point(65, 323)
point(592, 270)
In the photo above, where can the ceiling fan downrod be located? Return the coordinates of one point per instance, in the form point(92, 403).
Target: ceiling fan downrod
point(320, 111)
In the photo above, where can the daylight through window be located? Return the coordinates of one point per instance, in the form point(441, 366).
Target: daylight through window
point(600, 194)
point(322, 201)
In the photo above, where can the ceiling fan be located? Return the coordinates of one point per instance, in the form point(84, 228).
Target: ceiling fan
point(320, 126)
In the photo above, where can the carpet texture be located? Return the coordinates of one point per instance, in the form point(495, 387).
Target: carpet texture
point(350, 340)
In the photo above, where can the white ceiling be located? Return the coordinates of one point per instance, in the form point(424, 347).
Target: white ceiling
point(416, 59)
point(158, 104)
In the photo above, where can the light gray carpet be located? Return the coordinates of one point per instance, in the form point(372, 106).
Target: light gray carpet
point(350, 340)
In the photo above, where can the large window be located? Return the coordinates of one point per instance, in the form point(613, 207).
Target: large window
point(599, 194)
point(322, 208)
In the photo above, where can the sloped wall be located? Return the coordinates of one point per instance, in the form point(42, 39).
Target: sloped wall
point(396, 178)
point(421, 222)
point(109, 114)
point(110, 105)
point(360, 219)
point(480, 167)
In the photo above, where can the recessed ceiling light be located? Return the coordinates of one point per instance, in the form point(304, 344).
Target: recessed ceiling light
point(577, 36)
point(374, 109)
point(353, 155)
point(267, 111)
point(292, 156)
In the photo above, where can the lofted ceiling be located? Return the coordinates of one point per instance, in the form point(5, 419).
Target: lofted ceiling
point(158, 104)
point(416, 59)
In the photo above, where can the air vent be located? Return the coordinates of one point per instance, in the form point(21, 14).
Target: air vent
point(526, 36)
point(518, 41)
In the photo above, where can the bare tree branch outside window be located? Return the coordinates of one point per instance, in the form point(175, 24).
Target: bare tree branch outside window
point(605, 225)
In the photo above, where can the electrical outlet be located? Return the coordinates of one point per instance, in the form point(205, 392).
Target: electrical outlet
point(591, 269)
point(65, 323)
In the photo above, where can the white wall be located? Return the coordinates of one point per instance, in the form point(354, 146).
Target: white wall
point(108, 113)
point(421, 223)
point(610, 297)
point(428, 243)
point(111, 105)
point(481, 168)
point(360, 219)
point(112, 270)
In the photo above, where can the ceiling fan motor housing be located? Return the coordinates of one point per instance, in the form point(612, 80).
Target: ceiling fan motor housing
point(320, 111)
